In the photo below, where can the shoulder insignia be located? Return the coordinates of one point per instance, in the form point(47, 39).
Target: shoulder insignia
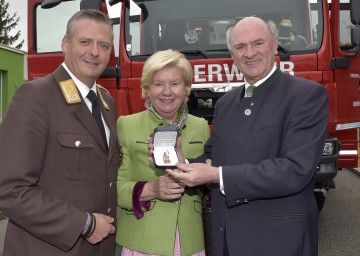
point(100, 87)
point(106, 106)
point(70, 91)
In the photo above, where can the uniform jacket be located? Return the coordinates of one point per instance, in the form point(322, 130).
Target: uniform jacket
point(155, 232)
point(268, 146)
point(54, 168)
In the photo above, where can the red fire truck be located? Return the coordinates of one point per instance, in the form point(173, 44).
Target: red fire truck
point(319, 40)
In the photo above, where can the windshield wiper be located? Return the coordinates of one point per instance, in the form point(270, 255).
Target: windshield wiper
point(284, 53)
point(142, 55)
point(218, 50)
point(196, 51)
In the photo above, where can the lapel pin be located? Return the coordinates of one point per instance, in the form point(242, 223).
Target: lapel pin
point(247, 112)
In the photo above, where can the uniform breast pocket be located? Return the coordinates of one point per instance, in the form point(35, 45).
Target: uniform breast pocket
point(74, 156)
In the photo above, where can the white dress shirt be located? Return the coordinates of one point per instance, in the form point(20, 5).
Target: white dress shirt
point(84, 90)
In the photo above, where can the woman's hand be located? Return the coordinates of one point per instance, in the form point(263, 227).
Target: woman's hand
point(150, 149)
point(164, 188)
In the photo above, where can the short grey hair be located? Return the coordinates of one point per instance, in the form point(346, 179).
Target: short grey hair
point(273, 28)
point(228, 32)
point(270, 24)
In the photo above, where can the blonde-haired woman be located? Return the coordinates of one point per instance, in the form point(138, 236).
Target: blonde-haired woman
point(158, 216)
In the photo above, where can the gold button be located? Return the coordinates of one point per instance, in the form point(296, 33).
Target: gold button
point(110, 185)
point(77, 143)
point(109, 210)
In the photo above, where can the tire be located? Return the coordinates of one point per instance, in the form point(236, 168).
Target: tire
point(320, 200)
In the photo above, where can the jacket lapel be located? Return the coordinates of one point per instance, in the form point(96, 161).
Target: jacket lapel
point(109, 119)
point(73, 97)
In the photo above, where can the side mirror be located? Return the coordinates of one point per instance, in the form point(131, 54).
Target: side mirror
point(355, 31)
point(47, 4)
point(355, 36)
point(113, 2)
point(90, 4)
point(355, 12)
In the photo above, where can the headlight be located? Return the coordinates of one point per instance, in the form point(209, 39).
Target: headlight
point(328, 149)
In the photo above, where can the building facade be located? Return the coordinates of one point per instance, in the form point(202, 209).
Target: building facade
point(13, 73)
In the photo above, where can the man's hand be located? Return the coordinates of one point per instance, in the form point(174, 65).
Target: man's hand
point(103, 228)
point(195, 174)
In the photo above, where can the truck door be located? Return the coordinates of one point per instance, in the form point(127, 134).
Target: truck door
point(346, 65)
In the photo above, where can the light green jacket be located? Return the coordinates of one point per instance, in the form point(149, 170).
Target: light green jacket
point(155, 232)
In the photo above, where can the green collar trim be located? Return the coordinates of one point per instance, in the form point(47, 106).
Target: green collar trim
point(268, 82)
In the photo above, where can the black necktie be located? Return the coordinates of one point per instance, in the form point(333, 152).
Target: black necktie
point(97, 114)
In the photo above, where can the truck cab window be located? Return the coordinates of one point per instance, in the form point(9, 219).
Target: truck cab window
point(345, 26)
point(47, 40)
point(153, 25)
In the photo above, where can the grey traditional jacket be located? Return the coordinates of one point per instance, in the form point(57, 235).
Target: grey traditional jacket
point(268, 146)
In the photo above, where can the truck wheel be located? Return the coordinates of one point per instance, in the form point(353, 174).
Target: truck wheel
point(320, 200)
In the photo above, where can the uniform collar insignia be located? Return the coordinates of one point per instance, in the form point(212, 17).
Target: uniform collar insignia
point(106, 106)
point(70, 91)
